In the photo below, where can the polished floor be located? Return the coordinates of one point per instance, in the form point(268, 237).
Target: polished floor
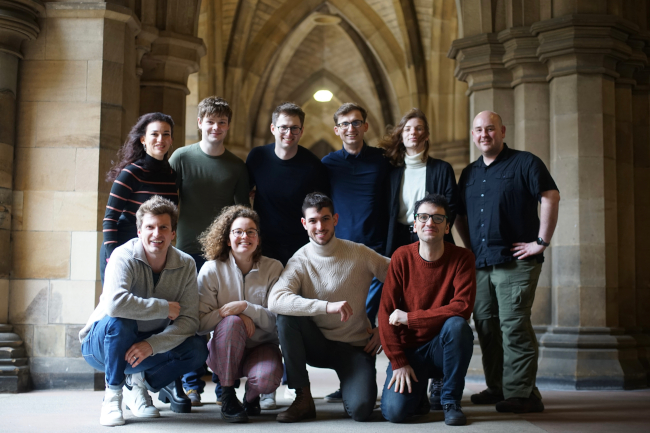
point(566, 411)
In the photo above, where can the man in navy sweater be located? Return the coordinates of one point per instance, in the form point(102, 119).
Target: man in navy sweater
point(358, 174)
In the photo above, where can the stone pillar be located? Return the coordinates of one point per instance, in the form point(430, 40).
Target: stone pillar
point(641, 160)
point(628, 225)
point(479, 62)
point(532, 129)
point(166, 67)
point(77, 96)
point(585, 346)
point(17, 24)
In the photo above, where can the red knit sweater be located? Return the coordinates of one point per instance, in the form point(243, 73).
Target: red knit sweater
point(430, 292)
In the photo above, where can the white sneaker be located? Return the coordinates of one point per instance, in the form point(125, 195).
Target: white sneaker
point(138, 400)
point(267, 401)
point(111, 414)
point(289, 394)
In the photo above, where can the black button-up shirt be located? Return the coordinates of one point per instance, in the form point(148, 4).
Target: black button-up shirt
point(500, 201)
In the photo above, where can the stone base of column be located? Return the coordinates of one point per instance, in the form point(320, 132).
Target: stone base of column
point(642, 338)
point(14, 368)
point(589, 358)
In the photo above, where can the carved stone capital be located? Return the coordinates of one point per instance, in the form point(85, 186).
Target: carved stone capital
point(584, 44)
point(18, 23)
point(170, 60)
point(479, 62)
point(521, 56)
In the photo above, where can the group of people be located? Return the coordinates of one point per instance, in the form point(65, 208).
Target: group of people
point(336, 261)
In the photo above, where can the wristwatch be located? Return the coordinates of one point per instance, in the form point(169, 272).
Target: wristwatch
point(540, 241)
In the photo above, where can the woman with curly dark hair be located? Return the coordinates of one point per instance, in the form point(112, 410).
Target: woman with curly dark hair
point(415, 175)
point(142, 171)
point(233, 302)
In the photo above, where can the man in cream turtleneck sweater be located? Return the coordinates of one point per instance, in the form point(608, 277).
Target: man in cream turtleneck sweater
point(320, 302)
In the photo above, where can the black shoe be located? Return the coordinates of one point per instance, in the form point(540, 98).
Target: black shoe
point(521, 405)
point(454, 414)
point(252, 408)
point(174, 394)
point(435, 389)
point(231, 408)
point(335, 397)
point(487, 397)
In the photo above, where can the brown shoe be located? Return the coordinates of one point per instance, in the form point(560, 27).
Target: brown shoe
point(302, 407)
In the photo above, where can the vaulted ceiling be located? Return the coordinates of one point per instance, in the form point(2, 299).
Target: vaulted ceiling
point(387, 55)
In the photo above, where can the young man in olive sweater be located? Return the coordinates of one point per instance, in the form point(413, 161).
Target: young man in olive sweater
point(209, 178)
point(427, 299)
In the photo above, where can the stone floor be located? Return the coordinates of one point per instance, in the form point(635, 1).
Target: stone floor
point(566, 411)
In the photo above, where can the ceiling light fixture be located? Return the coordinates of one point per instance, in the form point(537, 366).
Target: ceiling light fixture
point(323, 96)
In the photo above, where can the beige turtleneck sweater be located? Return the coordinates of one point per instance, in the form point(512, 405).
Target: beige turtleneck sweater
point(413, 187)
point(338, 271)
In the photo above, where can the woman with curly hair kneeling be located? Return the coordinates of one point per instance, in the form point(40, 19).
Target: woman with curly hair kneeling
point(233, 294)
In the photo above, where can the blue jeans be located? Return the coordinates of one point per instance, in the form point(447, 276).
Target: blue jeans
point(372, 301)
point(105, 347)
point(192, 380)
point(303, 343)
point(449, 352)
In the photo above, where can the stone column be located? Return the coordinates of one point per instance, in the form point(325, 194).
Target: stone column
point(532, 129)
point(628, 224)
point(17, 24)
point(479, 62)
point(76, 93)
point(585, 346)
point(165, 70)
point(641, 161)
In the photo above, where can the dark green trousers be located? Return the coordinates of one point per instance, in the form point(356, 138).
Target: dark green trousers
point(504, 298)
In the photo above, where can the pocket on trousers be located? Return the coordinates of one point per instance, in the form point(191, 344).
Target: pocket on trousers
point(522, 293)
point(93, 362)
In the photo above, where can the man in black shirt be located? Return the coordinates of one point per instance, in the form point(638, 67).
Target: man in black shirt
point(283, 174)
point(498, 219)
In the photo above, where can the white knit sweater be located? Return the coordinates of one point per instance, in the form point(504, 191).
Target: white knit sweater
point(413, 187)
point(339, 271)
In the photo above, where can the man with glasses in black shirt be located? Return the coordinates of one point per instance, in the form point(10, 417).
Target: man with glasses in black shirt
point(283, 173)
point(498, 220)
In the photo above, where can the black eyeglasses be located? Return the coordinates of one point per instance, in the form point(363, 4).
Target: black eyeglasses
point(424, 217)
point(251, 233)
point(295, 130)
point(346, 125)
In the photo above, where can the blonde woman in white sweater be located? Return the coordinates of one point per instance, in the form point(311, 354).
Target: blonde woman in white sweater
point(233, 298)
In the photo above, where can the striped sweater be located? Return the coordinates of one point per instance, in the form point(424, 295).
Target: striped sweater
point(136, 183)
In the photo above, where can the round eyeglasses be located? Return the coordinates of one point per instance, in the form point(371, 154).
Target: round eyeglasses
point(424, 217)
point(251, 233)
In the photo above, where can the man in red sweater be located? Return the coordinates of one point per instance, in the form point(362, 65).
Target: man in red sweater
point(427, 299)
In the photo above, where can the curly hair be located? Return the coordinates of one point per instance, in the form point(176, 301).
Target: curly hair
point(133, 150)
point(393, 143)
point(214, 240)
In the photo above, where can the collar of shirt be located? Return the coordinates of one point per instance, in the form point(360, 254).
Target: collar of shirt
point(504, 154)
point(347, 154)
